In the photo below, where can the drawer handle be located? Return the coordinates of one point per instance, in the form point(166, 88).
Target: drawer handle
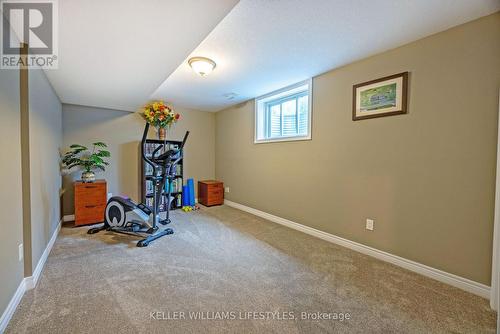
point(90, 187)
point(90, 206)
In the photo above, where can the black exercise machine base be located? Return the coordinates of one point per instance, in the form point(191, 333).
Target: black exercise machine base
point(94, 230)
point(153, 235)
point(161, 233)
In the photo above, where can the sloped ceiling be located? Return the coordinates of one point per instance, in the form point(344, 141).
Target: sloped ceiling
point(115, 53)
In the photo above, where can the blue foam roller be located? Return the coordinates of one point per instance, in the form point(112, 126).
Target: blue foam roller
point(185, 195)
point(190, 183)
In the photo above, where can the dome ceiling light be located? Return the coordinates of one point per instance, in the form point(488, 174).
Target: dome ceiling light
point(201, 65)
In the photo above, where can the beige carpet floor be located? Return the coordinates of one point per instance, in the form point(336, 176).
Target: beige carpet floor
point(224, 260)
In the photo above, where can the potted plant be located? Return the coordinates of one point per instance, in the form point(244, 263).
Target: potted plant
point(161, 116)
point(80, 156)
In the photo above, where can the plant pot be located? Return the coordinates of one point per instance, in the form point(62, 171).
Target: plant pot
point(88, 177)
point(162, 133)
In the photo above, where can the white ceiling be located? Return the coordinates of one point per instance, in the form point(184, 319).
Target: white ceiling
point(115, 53)
point(118, 54)
point(264, 45)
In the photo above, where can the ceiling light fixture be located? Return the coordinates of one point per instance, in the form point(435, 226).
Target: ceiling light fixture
point(201, 65)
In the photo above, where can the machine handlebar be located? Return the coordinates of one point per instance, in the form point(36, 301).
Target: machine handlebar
point(184, 140)
point(162, 158)
point(143, 142)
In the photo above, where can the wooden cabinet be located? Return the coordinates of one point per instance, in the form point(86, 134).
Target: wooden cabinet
point(210, 192)
point(90, 202)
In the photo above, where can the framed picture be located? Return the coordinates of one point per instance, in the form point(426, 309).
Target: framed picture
point(381, 97)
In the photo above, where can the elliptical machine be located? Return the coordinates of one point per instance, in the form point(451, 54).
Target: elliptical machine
point(123, 215)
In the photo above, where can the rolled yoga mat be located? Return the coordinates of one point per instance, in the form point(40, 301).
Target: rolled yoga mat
point(190, 183)
point(185, 195)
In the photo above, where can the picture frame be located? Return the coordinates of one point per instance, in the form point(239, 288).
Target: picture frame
point(381, 97)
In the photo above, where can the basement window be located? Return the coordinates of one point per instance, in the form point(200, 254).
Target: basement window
point(284, 115)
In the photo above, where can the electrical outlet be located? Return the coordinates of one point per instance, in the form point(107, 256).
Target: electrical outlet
point(21, 252)
point(226, 190)
point(369, 224)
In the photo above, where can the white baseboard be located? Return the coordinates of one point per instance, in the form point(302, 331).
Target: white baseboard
point(27, 283)
point(33, 280)
point(11, 308)
point(442, 276)
point(69, 218)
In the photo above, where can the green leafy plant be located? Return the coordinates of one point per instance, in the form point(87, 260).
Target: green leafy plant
point(80, 155)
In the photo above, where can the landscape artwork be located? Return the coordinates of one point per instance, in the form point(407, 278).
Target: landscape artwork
point(381, 97)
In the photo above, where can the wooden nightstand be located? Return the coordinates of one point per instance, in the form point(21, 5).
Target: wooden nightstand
point(90, 202)
point(210, 192)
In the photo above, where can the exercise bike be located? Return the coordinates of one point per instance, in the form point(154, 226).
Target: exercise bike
point(122, 215)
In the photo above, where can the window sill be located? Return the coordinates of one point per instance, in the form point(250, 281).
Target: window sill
point(283, 139)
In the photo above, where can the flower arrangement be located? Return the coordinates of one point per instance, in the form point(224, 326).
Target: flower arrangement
point(159, 115)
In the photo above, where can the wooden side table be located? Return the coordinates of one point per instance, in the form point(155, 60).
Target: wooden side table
point(90, 202)
point(210, 192)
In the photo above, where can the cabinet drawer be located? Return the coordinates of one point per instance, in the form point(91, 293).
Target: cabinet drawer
point(214, 186)
point(90, 199)
point(215, 191)
point(89, 214)
point(89, 189)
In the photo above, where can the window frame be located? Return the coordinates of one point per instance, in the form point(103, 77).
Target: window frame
point(267, 101)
